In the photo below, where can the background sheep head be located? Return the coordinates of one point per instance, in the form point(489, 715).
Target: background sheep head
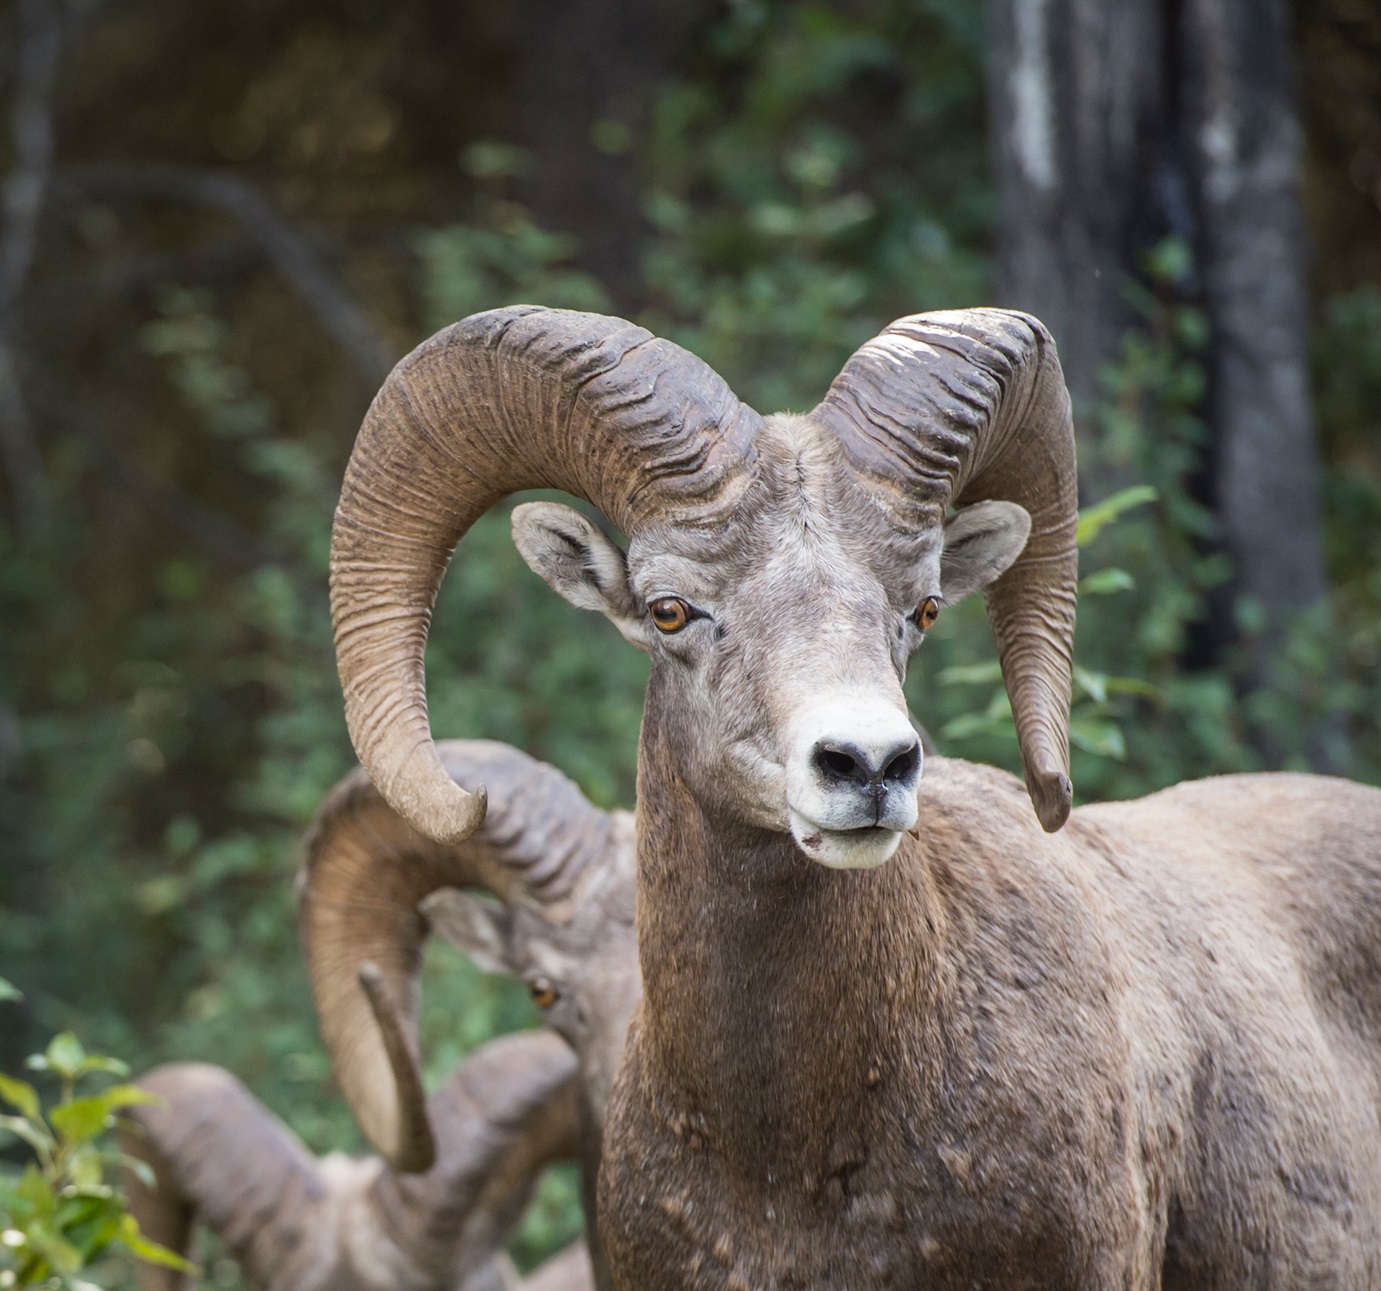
point(372, 888)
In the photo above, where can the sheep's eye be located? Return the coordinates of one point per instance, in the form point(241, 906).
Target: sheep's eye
point(543, 992)
point(926, 613)
point(669, 614)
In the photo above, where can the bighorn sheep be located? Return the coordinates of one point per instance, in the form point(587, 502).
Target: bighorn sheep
point(298, 1223)
point(567, 869)
point(372, 887)
point(1144, 1051)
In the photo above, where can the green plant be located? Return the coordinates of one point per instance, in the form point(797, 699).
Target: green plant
point(60, 1212)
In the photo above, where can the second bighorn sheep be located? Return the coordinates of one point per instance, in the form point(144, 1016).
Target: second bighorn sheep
point(888, 1038)
point(369, 891)
point(372, 888)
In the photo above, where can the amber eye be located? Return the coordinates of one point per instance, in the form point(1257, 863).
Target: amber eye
point(670, 614)
point(926, 613)
point(543, 992)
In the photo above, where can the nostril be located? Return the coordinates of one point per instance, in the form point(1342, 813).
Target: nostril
point(842, 763)
point(903, 766)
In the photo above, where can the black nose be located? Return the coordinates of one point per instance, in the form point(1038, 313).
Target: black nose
point(841, 763)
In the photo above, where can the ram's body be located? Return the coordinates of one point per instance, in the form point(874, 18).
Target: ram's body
point(1143, 1052)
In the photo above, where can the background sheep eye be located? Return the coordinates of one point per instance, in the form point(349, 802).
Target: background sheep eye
point(543, 993)
point(926, 613)
point(670, 614)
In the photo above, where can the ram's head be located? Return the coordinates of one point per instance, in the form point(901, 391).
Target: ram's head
point(779, 571)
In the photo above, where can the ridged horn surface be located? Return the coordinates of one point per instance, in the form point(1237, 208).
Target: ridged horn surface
point(516, 398)
point(509, 1110)
point(366, 869)
point(220, 1154)
point(297, 1222)
point(953, 408)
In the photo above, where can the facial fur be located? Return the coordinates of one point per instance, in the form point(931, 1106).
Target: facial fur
point(781, 678)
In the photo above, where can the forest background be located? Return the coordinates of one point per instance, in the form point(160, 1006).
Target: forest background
point(223, 222)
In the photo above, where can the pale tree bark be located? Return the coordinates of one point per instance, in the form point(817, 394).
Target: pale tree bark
point(1075, 90)
point(1115, 125)
point(1243, 156)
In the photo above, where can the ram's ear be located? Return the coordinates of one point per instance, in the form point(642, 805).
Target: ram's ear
point(482, 929)
point(561, 546)
point(981, 542)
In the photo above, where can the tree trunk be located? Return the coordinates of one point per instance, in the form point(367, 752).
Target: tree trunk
point(1075, 94)
point(586, 74)
point(1115, 125)
point(1243, 155)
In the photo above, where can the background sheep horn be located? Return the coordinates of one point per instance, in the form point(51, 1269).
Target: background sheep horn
point(365, 871)
point(512, 399)
point(956, 407)
point(508, 1111)
point(292, 1220)
point(219, 1154)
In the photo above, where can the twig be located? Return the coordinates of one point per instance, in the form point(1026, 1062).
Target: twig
point(282, 245)
point(22, 203)
point(213, 262)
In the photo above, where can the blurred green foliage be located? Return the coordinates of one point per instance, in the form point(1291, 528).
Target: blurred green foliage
point(157, 770)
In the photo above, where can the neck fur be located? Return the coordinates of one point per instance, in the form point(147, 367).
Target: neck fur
point(772, 985)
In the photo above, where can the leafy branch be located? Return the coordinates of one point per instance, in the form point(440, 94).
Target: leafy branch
point(59, 1213)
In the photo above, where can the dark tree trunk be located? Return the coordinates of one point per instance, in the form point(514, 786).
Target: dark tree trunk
point(585, 76)
point(1076, 103)
point(1243, 156)
point(1115, 125)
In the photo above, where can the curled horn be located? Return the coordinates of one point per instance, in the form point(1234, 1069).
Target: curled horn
point(295, 1221)
point(364, 873)
point(952, 408)
point(219, 1155)
point(510, 1109)
point(512, 399)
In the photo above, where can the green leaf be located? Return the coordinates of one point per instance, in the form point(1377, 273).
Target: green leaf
point(1095, 683)
point(138, 1167)
point(31, 1132)
point(56, 1249)
point(97, 1228)
point(1131, 686)
point(79, 1208)
point(64, 1056)
point(21, 1095)
point(1092, 520)
point(86, 1169)
point(151, 1252)
point(996, 720)
point(971, 674)
point(34, 1191)
point(1102, 738)
point(82, 1118)
point(9, 991)
point(1104, 582)
point(99, 1062)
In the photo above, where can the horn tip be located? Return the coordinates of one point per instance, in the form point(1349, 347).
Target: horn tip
point(457, 817)
point(404, 1139)
point(415, 1157)
point(1052, 794)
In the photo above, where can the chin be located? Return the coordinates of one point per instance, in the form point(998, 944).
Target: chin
point(845, 849)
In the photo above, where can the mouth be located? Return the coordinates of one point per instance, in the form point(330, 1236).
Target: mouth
point(864, 848)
